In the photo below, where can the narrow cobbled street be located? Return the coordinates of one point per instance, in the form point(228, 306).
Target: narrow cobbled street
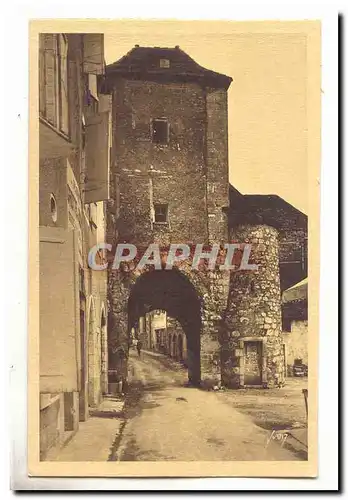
point(166, 420)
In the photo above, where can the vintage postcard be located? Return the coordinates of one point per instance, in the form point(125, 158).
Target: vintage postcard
point(174, 206)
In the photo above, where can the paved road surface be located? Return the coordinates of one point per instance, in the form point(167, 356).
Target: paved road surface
point(168, 421)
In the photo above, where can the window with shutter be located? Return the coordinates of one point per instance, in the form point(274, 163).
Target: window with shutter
point(42, 77)
point(53, 80)
point(48, 74)
point(63, 84)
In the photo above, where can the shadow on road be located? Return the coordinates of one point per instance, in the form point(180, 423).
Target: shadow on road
point(106, 414)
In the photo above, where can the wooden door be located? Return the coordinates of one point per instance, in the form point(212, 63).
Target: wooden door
point(252, 363)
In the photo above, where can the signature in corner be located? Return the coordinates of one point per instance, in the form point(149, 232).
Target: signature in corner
point(278, 435)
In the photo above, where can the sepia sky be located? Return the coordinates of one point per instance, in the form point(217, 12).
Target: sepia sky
point(266, 100)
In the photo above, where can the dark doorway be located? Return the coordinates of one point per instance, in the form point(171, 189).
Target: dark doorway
point(252, 363)
point(175, 349)
point(170, 344)
point(103, 355)
point(180, 348)
point(285, 361)
point(82, 395)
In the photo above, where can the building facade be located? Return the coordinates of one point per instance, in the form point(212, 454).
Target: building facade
point(170, 184)
point(74, 141)
point(164, 335)
point(295, 325)
point(152, 334)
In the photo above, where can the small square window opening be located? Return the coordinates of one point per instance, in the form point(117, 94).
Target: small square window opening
point(164, 63)
point(160, 131)
point(161, 212)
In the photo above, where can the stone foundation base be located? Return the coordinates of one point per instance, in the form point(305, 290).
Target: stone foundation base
point(59, 419)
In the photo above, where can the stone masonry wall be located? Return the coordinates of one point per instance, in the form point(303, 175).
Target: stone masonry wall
point(254, 309)
point(217, 164)
point(146, 173)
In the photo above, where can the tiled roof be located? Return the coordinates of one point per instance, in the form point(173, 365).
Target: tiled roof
point(296, 293)
point(268, 208)
point(144, 63)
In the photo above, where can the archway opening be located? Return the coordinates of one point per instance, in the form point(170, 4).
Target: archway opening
point(172, 292)
point(180, 353)
point(93, 383)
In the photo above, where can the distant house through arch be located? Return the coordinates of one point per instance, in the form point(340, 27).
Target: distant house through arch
point(172, 292)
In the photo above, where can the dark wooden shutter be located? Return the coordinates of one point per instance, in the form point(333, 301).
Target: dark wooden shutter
point(59, 295)
point(97, 157)
point(93, 53)
point(50, 64)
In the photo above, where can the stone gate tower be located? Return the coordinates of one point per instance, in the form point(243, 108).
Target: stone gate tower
point(169, 185)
